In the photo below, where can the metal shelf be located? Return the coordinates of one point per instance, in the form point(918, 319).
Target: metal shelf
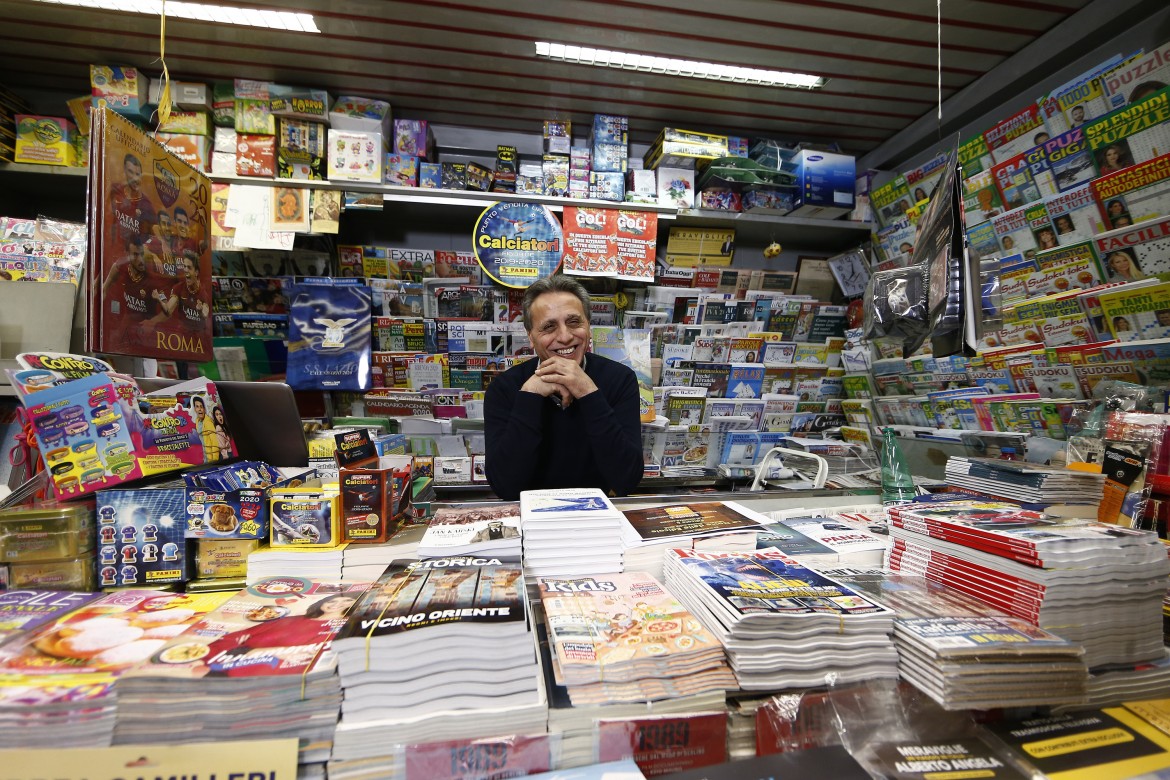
point(765, 227)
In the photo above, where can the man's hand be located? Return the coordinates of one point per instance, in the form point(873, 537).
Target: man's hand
point(537, 385)
point(566, 374)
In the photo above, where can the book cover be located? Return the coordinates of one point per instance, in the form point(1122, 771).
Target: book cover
point(1140, 314)
point(478, 529)
point(1136, 252)
point(745, 380)
point(329, 337)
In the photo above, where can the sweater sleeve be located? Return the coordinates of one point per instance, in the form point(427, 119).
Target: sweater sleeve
point(615, 432)
point(512, 438)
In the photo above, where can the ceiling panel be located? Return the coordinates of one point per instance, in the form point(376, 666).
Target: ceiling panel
point(472, 63)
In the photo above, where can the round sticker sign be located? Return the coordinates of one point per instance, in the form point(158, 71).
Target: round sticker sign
point(518, 243)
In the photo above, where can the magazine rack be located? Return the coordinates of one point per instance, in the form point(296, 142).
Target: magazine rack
point(801, 467)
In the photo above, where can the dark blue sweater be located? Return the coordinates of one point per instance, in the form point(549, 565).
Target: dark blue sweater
point(532, 444)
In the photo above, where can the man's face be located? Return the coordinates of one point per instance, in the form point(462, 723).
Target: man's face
point(137, 261)
point(189, 273)
point(559, 327)
point(182, 224)
point(1164, 317)
point(133, 174)
point(1078, 114)
point(164, 223)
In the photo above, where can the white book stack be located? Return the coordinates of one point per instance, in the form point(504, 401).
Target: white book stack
point(647, 534)
point(783, 625)
point(570, 532)
point(438, 650)
point(826, 540)
point(366, 562)
point(312, 563)
point(489, 530)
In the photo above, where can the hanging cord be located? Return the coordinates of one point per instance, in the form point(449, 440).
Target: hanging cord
point(164, 96)
point(938, 34)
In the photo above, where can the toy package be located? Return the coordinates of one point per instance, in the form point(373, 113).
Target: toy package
point(414, 137)
point(123, 89)
point(300, 149)
point(430, 176)
point(255, 155)
point(231, 502)
point(355, 156)
point(329, 337)
point(141, 536)
point(298, 102)
point(374, 498)
point(361, 115)
point(44, 140)
point(304, 516)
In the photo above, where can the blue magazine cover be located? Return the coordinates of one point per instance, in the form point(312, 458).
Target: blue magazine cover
point(329, 337)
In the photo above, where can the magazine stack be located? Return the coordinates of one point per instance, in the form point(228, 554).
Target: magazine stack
point(1098, 585)
point(715, 525)
point(366, 562)
point(439, 649)
point(491, 530)
point(310, 563)
point(570, 532)
point(61, 672)
point(622, 638)
point(1028, 482)
point(783, 625)
point(268, 646)
point(824, 540)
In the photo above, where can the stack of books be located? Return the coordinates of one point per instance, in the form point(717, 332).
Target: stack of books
point(569, 533)
point(647, 534)
point(437, 650)
point(491, 530)
point(622, 638)
point(1029, 483)
point(366, 562)
point(59, 670)
point(783, 625)
point(312, 563)
point(1098, 585)
point(258, 667)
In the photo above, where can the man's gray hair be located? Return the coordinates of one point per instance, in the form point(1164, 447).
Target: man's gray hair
point(557, 283)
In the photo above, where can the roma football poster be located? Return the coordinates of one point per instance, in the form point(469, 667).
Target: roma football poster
point(150, 256)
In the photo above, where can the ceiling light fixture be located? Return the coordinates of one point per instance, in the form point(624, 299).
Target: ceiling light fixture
point(646, 63)
point(223, 14)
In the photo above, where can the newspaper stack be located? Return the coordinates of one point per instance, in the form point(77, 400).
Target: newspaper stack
point(569, 533)
point(1113, 684)
point(621, 638)
point(1028, 482)
point(783, 625)
point(824, 540)
point(256, 667)
point(59, 675)
point(713, 525)
point(366, 562)
point(315, 563)
point(1098, 585)
point(438, 650)
point(491, 530)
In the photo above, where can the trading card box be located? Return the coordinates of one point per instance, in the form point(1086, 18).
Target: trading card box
point(141, 535)
point(186, 123)
point(191, 148)
point(240, 513)
point(299, 102)
point(123, 89)
point(306, 517)
point(361, 115)
point(374, 498)
point(253, 116)
point(300, 149)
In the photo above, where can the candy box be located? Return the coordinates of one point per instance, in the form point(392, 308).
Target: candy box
point(186, 123)
point(305, 516)
point(737, 146)
point(355, 156)
point(300, 149)
point(298, 102)
point(255, 155)
point(253, 116)
point(123, 89)
point(44, 140)
point(187, 95)
point(361, 115)
point(414, 137)
point(430, 175)
point(141, 535)
point(401, 169)
point(195, 150)
point(478, 177)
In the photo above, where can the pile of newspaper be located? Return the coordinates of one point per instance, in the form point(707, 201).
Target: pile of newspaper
point(570, 532)
point(647, 534)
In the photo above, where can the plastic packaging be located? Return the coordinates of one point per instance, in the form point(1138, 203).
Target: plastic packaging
point(897, 484)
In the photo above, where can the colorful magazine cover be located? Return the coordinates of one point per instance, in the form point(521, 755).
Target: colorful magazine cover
point(698, 519)
point(22, 611)
point(151, 267)
point(277, 626)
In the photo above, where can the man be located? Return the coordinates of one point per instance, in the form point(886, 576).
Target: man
point(1078, 115)
point(133, 210)
point(563, 419)
point(128, 293)
point(183, 306)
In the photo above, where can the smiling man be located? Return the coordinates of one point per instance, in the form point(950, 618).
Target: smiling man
point(564, 418)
